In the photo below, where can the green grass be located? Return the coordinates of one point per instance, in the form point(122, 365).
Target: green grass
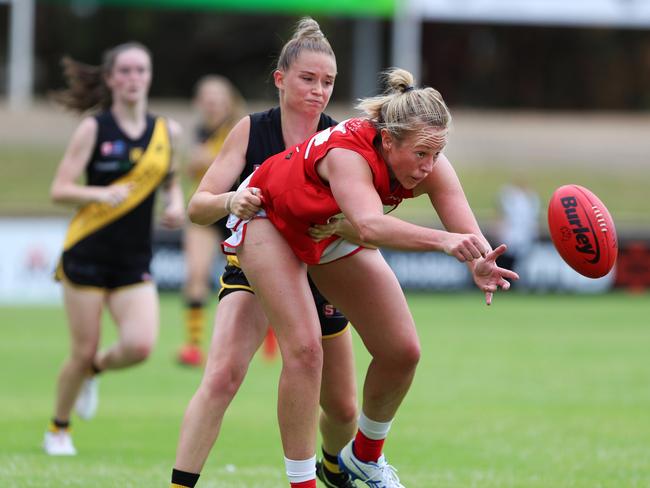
point(533, 392)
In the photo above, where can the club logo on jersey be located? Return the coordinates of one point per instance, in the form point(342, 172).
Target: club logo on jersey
point(135, 153)
point(114, 149)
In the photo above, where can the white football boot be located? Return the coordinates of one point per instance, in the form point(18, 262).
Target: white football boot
point(88, 399)
point(59, 443)
point(377, 475)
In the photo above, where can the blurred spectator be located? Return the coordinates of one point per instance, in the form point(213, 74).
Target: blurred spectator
point(519, 224)
point(219, 105)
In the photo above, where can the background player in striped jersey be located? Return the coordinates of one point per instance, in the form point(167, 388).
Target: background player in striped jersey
point(126, 155)
point(219, 105)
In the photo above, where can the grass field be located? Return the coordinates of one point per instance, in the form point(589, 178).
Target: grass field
point(536, 391)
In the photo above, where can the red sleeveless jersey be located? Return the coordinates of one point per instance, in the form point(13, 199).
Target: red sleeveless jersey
point(296, 198)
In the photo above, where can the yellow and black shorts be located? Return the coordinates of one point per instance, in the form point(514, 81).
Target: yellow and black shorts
point(332, 321)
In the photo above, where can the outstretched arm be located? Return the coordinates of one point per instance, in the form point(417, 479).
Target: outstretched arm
point(448, 198)
point(351, 181)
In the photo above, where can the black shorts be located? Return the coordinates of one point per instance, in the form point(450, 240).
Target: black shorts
point(332, 321)
point(86, 272)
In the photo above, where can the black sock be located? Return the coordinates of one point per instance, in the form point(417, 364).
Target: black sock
point(195, 303)
point(184, 478)
point(95, 368)
point(330, 462)
point(60, 424)
point(329, 457)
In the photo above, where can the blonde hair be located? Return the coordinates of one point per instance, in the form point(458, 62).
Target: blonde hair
point(306, 36)
point(86, 83)
point(404, 109)
point(237, 102)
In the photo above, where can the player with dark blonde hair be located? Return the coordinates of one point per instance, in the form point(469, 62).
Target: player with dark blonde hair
point(355, 170)
point(220, 106)
point(305, 76)
point(126, 155)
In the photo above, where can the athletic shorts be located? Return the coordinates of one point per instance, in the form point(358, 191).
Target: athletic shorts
point(332, 321)
point(85, 272)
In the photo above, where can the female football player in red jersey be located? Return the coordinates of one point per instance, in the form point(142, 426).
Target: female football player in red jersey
point(304, 77)
point(355, 170)
point(126, 155)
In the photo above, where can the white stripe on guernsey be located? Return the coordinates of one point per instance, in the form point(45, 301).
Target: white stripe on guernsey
point(337, 250)
point(299, 471)
point(372, 429)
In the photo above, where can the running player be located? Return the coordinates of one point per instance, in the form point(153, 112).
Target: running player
point(126, 155)
point(220, 106)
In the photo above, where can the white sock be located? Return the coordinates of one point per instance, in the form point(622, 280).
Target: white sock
point(372, 429)
point(299, 471)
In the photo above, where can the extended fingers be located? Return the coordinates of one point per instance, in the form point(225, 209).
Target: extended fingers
point(495, 253)
point(508, 274)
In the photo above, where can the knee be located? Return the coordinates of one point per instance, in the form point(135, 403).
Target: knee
point(402, 357)
point(83, 357)
point(305, 357)
point(411, 354)
point(139, 351)
point(222, 383)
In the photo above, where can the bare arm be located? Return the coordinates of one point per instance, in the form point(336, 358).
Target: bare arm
point(65, 188)
point(339, 226)
point(448, 198)
point(174, 212)
point(212, 199)
point(351, 182)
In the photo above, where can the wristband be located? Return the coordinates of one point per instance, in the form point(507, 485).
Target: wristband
point(229, 202)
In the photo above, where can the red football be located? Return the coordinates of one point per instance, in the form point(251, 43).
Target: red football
point(582, 230)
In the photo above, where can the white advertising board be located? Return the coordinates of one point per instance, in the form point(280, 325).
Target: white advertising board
point(30, 248)
point(29, 251)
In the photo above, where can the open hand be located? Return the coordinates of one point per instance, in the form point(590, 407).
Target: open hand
point(489, 277)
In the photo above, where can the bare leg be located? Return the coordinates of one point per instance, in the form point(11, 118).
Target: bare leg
point(84, 308)
point(239, 329)
point(280, 282)
point(379, 312)
point(338, 398)
point(200, 247)
point(135, 311)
